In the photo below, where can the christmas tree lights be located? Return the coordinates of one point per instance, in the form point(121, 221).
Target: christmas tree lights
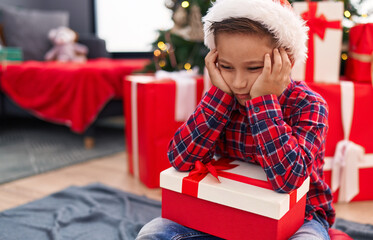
point(182, 46)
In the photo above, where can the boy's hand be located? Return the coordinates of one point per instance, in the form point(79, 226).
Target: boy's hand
point(214, 72)
point(275, 78)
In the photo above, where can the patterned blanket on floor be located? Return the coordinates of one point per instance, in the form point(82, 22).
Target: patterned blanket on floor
point(99, 212)
point(86, 213)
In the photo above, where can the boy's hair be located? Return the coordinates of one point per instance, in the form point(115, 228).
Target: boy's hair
point(242, 25)
point(276, 16)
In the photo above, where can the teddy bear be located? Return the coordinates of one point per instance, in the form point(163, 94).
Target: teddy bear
point(65, 48)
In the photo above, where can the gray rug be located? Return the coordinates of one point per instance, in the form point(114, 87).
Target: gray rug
point(355, 230)
point(93, 212)
point(100, 212)
point(32, 146)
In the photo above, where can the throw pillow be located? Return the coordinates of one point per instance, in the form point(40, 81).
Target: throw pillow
point(28, 29)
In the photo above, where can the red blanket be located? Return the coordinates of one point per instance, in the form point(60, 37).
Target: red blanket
point(67, 93)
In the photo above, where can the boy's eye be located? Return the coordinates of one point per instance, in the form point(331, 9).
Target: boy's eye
point(254, 68)
point(225, 66)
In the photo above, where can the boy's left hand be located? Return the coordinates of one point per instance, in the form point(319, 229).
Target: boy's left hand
point(275, 78)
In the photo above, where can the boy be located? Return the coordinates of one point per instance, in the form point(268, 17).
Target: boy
point(254, 112)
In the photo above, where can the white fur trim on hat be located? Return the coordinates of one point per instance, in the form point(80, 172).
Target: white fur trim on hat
point(288, 28)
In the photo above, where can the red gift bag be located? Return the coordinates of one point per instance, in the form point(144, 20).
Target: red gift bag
point(359, 64)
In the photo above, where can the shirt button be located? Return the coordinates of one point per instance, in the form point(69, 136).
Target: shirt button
point(256, 109)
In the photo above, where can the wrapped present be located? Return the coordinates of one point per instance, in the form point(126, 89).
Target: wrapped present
point(231, 200)
point(10, 54)
point(359, 65)
point(324, 43)
point(348, 165)
point(154, 109)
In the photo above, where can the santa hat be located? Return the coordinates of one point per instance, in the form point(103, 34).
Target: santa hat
point(277, 16)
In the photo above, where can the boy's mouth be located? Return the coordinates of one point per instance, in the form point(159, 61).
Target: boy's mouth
point(242, 96)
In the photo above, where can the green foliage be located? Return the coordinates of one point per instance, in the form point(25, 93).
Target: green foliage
point(184, 51)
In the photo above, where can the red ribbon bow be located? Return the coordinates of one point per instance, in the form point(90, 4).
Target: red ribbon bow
point(318, 26)
point(216, 168)
point(190, 183)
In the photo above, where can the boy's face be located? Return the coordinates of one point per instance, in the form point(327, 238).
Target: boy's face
point(241, 60)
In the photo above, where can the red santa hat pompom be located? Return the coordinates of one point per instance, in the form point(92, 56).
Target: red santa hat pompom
point(277, 16)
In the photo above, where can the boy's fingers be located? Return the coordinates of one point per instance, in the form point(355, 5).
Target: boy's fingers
point(212, 52)
point(211, 56)
point(267, 66)
point(210, 63)
point(277, 62)
point(286, 63)
point(286, 67)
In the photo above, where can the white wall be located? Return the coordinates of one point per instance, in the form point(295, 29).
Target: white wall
point(131, 26)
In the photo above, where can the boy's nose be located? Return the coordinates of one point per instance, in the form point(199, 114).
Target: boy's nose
point(240, 82)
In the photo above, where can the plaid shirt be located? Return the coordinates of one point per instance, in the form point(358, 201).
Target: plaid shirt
point(285, 135)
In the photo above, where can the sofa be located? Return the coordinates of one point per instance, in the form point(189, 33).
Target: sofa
point(27, 29)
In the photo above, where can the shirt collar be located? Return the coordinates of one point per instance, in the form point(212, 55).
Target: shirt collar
point(282, 98)
point(238, 107)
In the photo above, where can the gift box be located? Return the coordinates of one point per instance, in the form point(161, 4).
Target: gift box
point(235, 203)
point(359, 65)
point(152, 114)
point(348, 165)
point(10, 54)
point(324, 43)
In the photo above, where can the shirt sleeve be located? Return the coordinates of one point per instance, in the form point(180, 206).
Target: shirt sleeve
point(287, 150)
point(195, 139)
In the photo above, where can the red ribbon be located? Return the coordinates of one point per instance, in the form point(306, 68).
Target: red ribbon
point(216, 168)
point(318, 26)
point(200, 171)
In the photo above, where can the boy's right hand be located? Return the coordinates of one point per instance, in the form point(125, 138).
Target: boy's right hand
point(216, 78)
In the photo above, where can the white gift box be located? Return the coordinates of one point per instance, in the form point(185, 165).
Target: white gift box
point(243, 200)
point(324, 52)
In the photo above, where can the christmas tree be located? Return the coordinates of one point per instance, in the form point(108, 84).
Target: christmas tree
point(182, 47)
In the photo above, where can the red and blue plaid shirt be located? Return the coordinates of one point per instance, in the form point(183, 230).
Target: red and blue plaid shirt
point(285, 135)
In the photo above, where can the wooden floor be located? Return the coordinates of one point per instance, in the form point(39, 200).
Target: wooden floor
point(112, 171)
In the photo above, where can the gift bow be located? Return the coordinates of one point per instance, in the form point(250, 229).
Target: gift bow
point(345, 169)
point(318, 26)
point(216, 168)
